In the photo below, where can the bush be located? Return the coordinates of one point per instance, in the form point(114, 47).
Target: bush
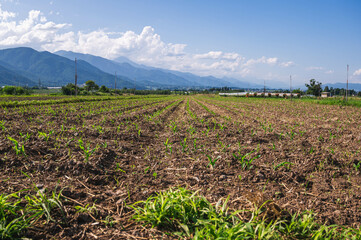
point(104, 89)
point(11, 90)
point(68, 89)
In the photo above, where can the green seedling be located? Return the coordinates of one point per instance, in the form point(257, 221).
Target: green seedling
point(173, 127)
point(357, 166)
point(118, 168)
point(184, 145)
point(45, 136)
point(2, 125)
point(25, 137)
point(19, 148)
point(168, 145)
point(211, 161)
point(282, 164)
point(87, 152)
point(92, 210)
point(245, 159)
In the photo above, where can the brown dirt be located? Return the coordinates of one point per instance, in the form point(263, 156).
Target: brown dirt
point(320, 143)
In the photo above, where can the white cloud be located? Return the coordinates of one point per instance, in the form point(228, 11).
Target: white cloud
point(330, 72)
point(262, 60)
point(146, 47)
point(357, 72)
point(5, 15)
point(287, 64)
point(35, 29)
point(314, 68)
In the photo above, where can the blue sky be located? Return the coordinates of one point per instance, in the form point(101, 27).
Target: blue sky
point(252, 40)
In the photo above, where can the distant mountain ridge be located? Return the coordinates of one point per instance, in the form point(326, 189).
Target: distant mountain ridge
point(149, 76)
point(10, 77)
point(354, 86)
point(54, 70)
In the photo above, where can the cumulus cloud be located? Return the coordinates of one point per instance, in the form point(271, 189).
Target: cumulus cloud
point(314, 68)
point(329, 71)
point(357, 72)
point(262, 60)
point(34, 29)
point(145, 47)
point(287, 64)
point(5, 15)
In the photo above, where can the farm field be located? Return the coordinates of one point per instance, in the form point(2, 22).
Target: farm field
point(95, 158)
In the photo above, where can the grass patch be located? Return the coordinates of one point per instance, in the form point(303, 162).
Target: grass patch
point(17, 213)
point(187, 214)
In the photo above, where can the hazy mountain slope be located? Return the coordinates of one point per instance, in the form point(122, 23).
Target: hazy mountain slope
point(148, 75)
point(11, 78)
point(55, 70)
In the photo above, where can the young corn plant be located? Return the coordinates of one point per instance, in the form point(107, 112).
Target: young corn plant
point(246, 159)
point(168, 146)
point(211, 161)
point(45, 136)
point(195, 147)
point(19, 148)
point(357, 166)
point(87, 152)
point(25, 136)
point(173, 127)
point(184, 145)
point(2, 125)
point(92, 210)
point(287, 165)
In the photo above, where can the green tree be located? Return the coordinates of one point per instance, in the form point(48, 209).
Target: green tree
point(68, 89)
point(314, 88)
point(9, 90)
point(326, 89)
point(103, 89)
point(91, 86)
point(297, 91)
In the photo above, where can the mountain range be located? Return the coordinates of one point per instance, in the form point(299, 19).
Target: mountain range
point(151, 77)
point(27, 67)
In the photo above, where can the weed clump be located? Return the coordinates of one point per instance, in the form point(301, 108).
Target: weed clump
point(187, 214)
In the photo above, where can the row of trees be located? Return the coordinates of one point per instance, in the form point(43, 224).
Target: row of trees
point(91, 87)
point(11, 90)
point(315, 88)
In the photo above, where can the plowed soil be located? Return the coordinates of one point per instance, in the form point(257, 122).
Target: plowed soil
point(305, 157)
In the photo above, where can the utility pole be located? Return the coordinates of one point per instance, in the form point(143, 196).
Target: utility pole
point(264, 88)
point(347, 83)
point(291, 86)
point(115, 81)
point(134, 85)
point(39, 83)
point(76, 80)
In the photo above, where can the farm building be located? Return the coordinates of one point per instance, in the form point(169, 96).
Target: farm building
point(325, 94)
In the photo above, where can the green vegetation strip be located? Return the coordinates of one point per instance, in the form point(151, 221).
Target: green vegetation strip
point(355, 102)
point(167, 107)
point(183, 213)
point(10, 104)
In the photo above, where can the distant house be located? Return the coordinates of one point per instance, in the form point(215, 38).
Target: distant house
point(325, 94)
